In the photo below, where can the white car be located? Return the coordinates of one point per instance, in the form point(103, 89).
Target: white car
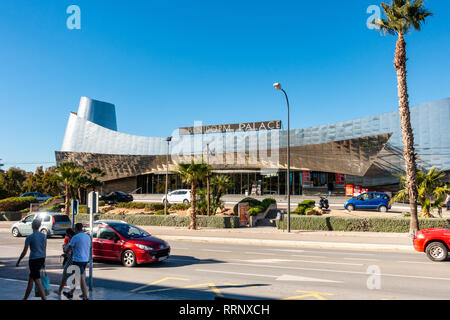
point(178, 196)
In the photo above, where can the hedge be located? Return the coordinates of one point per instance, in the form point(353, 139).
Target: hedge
point(370, 224)
point(304, 206)
point(167, 220)
point(140, 205)
point(16, 203)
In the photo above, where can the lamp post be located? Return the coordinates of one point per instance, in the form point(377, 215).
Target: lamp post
point(277, 86)
point(168, 139)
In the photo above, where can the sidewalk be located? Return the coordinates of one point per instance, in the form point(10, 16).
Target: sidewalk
point(270, 236)
point(13, 289)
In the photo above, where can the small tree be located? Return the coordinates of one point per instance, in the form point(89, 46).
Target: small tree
point(430, 190)
point(193, 174)
point(68, 173)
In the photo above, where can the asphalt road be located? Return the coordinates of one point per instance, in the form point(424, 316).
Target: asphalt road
point(206, 270)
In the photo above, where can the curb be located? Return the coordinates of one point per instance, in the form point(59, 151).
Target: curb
point(300, 244)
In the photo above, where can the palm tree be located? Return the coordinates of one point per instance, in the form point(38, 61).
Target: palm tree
point(401, 16)
point(192, 174)
point(430, 189)
point(222, 183)
point(68, 173)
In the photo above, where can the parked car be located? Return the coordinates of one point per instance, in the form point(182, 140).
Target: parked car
point(369, 200)
point(120, 241)
point(38, 195)
point(53, 223)
point(178, 196)
point(435, 242)
point(116, 196)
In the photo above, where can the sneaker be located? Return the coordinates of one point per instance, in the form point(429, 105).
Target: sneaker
point(68, 295)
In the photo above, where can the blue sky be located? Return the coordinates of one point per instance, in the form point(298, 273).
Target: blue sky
point(165, 64)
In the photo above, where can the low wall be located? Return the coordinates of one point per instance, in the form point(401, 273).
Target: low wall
point(12, 215)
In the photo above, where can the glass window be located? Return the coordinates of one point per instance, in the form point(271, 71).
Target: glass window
point(29, 218)
point(106, 233)
point(129, 231)
point(46, 218)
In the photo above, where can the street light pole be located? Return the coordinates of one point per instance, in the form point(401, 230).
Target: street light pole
point(277, 86)
point(168, 139)
point(207, 180)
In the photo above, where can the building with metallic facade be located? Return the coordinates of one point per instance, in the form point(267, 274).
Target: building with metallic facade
point(366, 151)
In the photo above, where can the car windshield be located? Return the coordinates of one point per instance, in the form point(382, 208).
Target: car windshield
point(129, 231)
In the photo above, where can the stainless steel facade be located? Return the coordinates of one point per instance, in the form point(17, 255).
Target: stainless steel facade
point(368, 150)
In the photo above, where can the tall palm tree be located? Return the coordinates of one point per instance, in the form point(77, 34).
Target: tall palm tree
point(193, 174)
point(401, 15)
point(430, 189)
point(68, 173)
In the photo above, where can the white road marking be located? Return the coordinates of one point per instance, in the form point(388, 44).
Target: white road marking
point(341, 271)
point(286, 250)
point(212, 250)
point(306, 256)
point(284, 277)
point(421, 262)
point(262, 253)
point(264, 260)
point(361, 259)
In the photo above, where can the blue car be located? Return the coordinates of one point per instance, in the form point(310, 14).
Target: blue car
point(369, 200)
point(38, 195)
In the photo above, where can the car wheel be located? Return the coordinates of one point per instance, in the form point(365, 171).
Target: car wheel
point(15, 232)
point(382, 209)
point(350, 207)
point(437, 251)
point(128, 258)
point(186, 201)
point(45, 231)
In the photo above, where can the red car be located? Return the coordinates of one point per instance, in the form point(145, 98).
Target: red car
point(435, 242)
point(120, 241)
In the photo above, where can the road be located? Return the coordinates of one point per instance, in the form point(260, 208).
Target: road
point(203, 270)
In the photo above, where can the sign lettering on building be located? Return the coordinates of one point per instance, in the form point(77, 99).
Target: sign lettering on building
point(232, 127)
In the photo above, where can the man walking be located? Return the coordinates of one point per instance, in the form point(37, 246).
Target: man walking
point(80, 244)
point(37, 242)
point(448, 201)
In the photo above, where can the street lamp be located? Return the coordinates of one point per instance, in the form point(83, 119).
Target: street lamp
point(168, 139)
point(277, 86)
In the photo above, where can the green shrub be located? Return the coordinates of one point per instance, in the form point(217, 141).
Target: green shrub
point(130, 205)
point(159, 212)
point(303, 207)
point(82, 208)
point(101, 203)
point(254, 211)
point(308, 203)
point(16, 203)
point(371, 224)
point(154, 206)
point(180, 206)
point(252, 202)
point(50, 200)
point(267, 202)
point(167, 220)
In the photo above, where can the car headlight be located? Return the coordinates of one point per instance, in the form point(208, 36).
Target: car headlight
point(420, 236)
point(143, 247)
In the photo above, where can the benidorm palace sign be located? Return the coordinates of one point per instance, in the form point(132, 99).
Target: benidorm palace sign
point(233, 127)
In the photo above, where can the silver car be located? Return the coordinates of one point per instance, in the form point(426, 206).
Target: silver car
point(53, 223)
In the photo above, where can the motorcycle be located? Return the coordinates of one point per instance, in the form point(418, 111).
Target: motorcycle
point(323, 204)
